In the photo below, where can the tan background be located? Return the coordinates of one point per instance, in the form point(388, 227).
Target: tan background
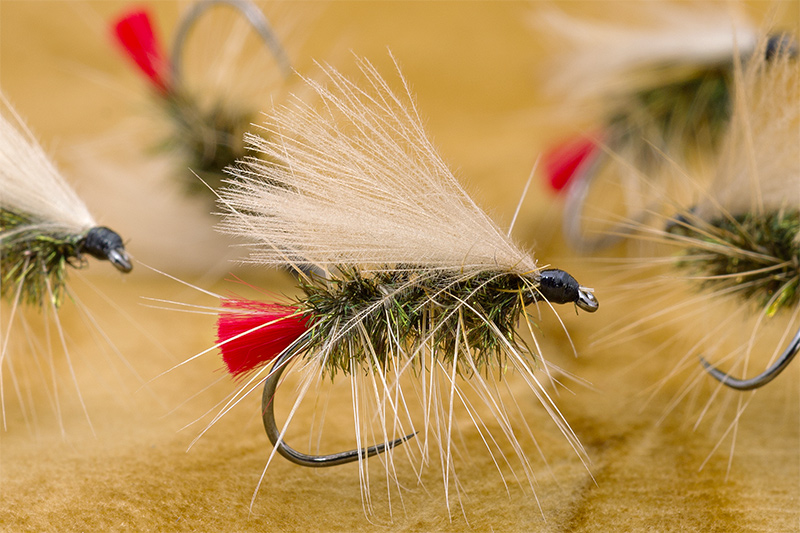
point(476, 69)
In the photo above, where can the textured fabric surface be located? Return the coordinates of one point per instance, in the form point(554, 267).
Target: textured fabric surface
point(473, 67)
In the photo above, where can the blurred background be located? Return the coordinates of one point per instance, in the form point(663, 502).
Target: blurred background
point(477, 70)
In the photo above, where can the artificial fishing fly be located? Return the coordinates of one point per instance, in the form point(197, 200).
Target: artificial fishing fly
point(44, 227)
point(420, 285)
point(743, 237)
point(667, 95)
point(727, 258)
point(207, 133)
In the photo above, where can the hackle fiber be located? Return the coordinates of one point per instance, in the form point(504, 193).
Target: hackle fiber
point(759, 168)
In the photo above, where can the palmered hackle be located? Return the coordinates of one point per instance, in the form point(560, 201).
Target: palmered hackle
point(731, 261)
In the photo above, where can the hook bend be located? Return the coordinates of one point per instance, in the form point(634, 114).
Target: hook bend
point(274, 433)
point(577, 198)
point(761, 379)
point(249, 11)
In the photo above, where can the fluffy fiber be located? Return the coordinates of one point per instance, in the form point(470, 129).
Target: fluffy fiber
point(759, 168)
point(31, 185)
point(605, 59)
point(359, 183)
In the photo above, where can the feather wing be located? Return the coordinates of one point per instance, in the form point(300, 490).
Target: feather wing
point(358, 182)
point(759, 169)
point(29, 182)
point(602, 59)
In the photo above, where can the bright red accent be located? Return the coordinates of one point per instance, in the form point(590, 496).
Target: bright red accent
point(262, 345)
point(134, 32)
point(561, 162)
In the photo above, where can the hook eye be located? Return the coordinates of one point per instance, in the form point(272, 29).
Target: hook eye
point(586, 300)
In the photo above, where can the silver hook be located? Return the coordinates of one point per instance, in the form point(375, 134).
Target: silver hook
point(577, 193)
point(249, 11)
point(274, 433)
point(761, 379)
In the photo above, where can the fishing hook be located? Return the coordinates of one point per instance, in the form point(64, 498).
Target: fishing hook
point(761, 379)
point(683, 223)
point(250, 12)
point(274, 433)
point(577, 193)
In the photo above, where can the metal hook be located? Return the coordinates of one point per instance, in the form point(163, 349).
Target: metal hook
point(761, 379)
point(249, 11)
point(577, 193)
point(274, 433)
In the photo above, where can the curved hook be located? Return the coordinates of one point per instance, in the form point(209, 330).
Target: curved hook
point(761, 379)
point(577, 193)
point(249, 11)
point(274, 433)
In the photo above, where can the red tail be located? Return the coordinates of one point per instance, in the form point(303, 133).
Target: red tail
point(561, 162)
point(277, 325)
point(135, 33)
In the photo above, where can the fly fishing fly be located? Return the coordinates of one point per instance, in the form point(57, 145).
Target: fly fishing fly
point(666, 88)
point(207, 131)
point(421, 294)
point(738, 242)
point(743, 237)
point(45, 230)
point(44, 226)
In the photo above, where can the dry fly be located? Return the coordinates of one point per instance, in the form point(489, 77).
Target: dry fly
point(207, 124)
point(739, 241)
point(421, 296)
point(664, 87)
point(45, 230)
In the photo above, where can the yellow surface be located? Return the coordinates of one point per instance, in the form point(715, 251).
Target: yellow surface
point(475, 68)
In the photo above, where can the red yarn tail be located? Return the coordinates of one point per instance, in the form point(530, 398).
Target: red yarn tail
point(266, 330)
point(134, 32)
point(561, 162)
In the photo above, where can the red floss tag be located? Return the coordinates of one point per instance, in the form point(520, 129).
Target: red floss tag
point(266, 330)
point(134, 32)
point(561, 162)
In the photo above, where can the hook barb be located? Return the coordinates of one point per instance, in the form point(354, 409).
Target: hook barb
point(274, 433)
point(761, 379)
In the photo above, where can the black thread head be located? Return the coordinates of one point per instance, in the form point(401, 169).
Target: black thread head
point(780, 44)
point(559, 287)
point(104, 243)
point(682, 223)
